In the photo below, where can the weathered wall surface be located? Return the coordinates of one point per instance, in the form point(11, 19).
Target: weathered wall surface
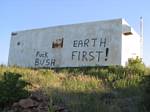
point(86, 44)
point(130, 44)
point(130, 47)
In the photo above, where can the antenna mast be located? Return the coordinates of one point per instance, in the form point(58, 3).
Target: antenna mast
point(141, 36)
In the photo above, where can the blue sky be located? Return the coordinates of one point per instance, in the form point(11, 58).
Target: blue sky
point(28, 14)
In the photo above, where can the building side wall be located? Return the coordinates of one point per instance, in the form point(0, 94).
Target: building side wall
point(130, 47)
point(87, 44)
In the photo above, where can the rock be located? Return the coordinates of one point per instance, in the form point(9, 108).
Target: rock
point(27, 110)
point(15, 104)
point(37, 102)
point(26, 103)
point(10, 111)
point(58, 108)
point(38, 96)
point(43, 107)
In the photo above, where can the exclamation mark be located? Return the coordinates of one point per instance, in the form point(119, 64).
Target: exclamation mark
point(107, 50)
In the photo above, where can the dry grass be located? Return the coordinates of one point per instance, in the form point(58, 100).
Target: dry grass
point(81, 92)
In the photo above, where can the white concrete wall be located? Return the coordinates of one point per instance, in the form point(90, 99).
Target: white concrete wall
point(87, 44)
point(130, 45)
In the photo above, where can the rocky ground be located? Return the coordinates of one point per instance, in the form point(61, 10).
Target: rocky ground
point(36, 102)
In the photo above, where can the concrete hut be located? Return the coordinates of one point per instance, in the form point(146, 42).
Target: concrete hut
point(100, 43)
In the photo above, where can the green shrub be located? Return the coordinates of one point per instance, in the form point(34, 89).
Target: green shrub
point(12, 88)
point(136, 66)
point(146, 95)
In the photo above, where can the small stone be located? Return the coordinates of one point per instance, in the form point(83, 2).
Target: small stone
point(35, 103)
point(27, 110)
point(26, 103)
point(10, 111)
point(15, 104)
point(38, 96)
point(43, 106)
point(58, 108)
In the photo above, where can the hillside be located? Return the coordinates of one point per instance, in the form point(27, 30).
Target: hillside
point(110, 89)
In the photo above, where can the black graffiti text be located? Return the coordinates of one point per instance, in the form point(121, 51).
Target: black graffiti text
point(42, 54)
point(44, 62)
point(86, 55)
point(93, 42)
point(42, 59)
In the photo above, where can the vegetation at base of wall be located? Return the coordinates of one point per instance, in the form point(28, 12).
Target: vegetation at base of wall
point(146, 94)
point(91, 89)
point(12, 88)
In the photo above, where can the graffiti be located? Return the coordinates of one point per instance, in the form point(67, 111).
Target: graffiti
point(42, 59)
point(90, 55)
point(86, 55)
point(94, 50)
point(107, 50)
point(42, 54)
point(90, 42)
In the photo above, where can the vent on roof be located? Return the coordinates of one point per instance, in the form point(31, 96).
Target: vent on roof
point(13, 33)
point(126, 30)
point(127, 33)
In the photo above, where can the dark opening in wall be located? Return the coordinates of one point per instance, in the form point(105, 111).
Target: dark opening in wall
point(18, 43)
point(127, 33)
point(58, 43)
